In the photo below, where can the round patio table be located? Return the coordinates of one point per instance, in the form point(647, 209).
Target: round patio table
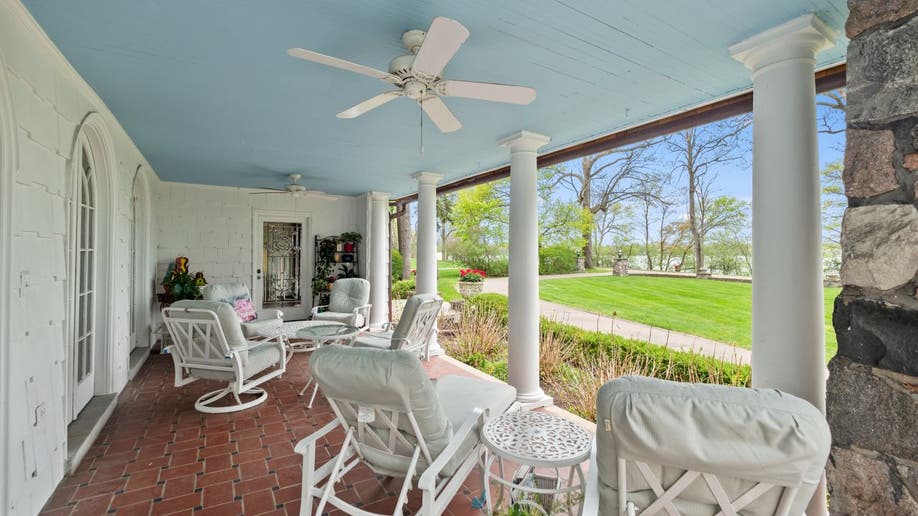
point(535, 440)
point(288, 331)
point(319, 335)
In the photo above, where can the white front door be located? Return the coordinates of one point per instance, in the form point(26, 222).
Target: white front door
point(280, 251)
point(83, 285)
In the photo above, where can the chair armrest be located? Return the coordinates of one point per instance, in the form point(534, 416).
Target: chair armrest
point(315, 309)
point(365, 311)
point(590, 505)
point(315, 436)
point(269, 313)
point(428, 480)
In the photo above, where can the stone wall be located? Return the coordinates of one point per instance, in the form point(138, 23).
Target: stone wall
point(872, 401)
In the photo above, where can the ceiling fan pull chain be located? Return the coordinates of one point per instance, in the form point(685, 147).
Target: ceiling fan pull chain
point(421, 112)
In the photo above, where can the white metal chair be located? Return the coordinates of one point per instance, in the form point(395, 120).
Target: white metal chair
point(691, 449)
point(347, 303)
point(229, 292)
point(413, 331)
point(398, 423)
point(208, 344)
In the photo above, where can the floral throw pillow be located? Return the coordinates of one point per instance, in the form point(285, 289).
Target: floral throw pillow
point(243, 306)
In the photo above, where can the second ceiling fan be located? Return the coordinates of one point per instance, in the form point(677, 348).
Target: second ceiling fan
point(417, 75)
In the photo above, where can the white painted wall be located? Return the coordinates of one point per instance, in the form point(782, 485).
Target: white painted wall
point(49, 102)
point(212, 226)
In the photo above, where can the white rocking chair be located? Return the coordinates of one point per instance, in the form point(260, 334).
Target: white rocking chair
point(685, 449)
point(208, 343)
point(398, 423)
point(413, 331)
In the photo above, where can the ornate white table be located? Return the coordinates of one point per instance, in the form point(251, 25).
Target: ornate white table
point(319, 334)
point(535, 440)
point(289, 330)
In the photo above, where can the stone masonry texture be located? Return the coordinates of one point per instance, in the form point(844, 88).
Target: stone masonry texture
point(872, 390)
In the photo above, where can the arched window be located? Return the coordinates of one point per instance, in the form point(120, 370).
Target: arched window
point(84, 262)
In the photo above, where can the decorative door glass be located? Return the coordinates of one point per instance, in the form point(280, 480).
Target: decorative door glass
point(282, 264)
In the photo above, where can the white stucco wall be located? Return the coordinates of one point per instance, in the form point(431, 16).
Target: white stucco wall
point(49, 103)
point(212, 226)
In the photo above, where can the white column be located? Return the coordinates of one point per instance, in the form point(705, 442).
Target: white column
point(379, 258)
point(523, 360)
point(426, 279)
point(788, 334)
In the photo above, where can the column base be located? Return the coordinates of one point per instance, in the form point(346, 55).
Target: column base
point(534, 400)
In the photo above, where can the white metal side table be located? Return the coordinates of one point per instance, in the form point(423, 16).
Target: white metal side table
point(535, 440)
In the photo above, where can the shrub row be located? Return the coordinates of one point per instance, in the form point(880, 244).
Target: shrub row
point(681, 365)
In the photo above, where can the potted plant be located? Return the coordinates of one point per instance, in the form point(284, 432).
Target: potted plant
point(350, 240)
point(471, 281)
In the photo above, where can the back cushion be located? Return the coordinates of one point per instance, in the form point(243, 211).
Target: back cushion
point(234, 294)
point(347, 294)
point(393, 379)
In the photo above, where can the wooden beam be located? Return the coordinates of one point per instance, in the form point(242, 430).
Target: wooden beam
point(826, 80)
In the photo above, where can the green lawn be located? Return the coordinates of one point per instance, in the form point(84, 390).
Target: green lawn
point(447, 276)
point(718, 310)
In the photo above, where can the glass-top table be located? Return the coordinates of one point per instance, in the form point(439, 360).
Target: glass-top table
point(318, 335)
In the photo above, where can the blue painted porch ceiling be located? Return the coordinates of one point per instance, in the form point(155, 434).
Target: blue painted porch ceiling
point(210, 96)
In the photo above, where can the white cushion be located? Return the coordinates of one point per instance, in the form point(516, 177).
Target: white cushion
point(343, 318)
point(741, 435)
point(347, 294)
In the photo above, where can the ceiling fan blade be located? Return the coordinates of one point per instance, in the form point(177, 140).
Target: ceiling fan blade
point(440, 114)
point(487, 91)
point(371, 103)
point(316, 57)
point(443, 39)
point(269, 191)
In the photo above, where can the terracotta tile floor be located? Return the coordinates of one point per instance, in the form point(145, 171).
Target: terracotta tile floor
point(157, 455)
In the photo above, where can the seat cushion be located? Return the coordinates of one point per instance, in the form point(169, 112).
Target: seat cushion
point(376, 339)
point(341, 317)
point(740, 435)
point(258, 327)
point(460, 396)
point(260, 357)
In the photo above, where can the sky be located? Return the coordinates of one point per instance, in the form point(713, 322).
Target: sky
point(735, 179)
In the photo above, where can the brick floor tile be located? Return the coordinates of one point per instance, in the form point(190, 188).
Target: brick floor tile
point(179, 486)
point(95, 489)
point(138, 495)
point(180, 471)
point(179, 503)
point(226, 509)
point(258, 502)
point(256, 484)
point(217, 494)
point(92, 506)
point(209, 479)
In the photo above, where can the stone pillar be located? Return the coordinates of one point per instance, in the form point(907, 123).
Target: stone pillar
point(379, 258)
point(788, 336)
point(426, 279)
point(523, 360)
point(872, 405)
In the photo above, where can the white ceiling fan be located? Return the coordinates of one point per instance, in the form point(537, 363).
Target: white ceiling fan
point(417, 75)
point(295, 189)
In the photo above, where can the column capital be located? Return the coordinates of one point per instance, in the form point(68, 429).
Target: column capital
point(429, 178)
point(803, 37)
point(379, 196)
point(524, 141)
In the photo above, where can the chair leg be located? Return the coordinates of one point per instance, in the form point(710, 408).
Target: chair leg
point(203, 404)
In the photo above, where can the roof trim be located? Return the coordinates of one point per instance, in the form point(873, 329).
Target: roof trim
point(826, 79)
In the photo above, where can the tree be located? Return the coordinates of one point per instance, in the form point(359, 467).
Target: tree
point(699, 151)
point(445, 220)
point(403, 230)
point(601, 180)
point(611, 222)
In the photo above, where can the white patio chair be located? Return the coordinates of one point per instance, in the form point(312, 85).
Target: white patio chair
point(229, 293)
point(347, 303)
point(413, 331)
point(208, 344)
point(398, 423)
point(691, 449)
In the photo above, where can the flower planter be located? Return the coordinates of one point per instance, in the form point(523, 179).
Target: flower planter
point(468, 288)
